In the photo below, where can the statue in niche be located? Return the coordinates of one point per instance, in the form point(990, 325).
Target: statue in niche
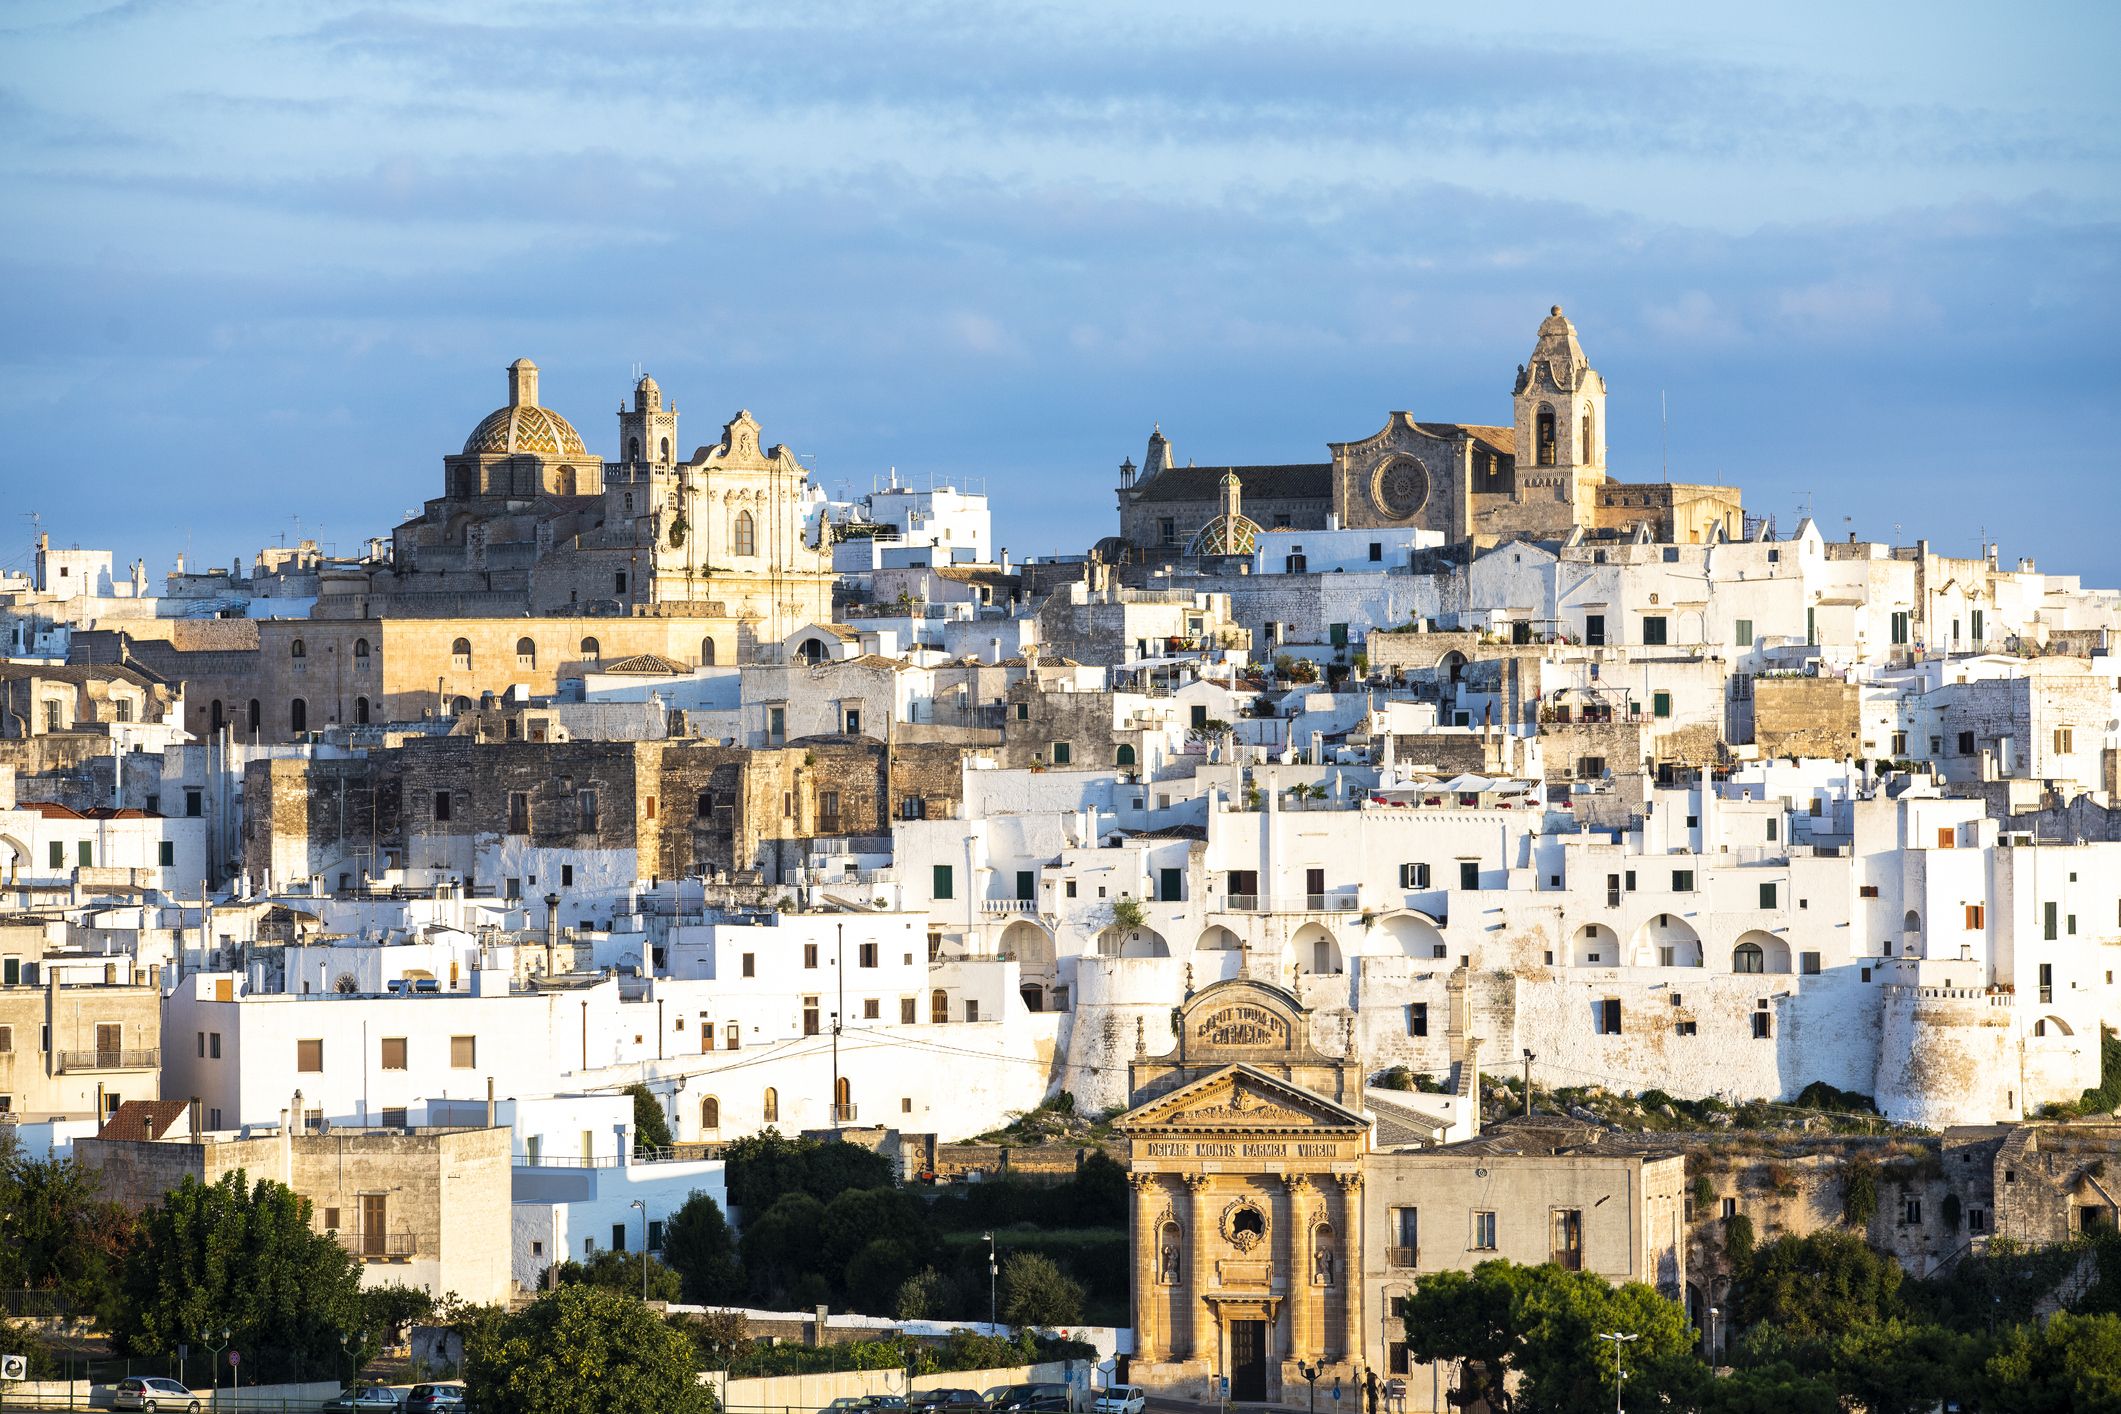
point(1322, 1265)
point(1167, 1264)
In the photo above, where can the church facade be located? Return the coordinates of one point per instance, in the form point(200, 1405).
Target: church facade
point(1543, 476)
point(1247, 1146)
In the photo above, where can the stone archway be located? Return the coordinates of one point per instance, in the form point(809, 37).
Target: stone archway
point(1666, 940)
point(1594, 945)
point(1415, 935)
point(1315, 950)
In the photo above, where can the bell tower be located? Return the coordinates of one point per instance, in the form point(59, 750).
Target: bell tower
point(648, 432)
point(1560, 407)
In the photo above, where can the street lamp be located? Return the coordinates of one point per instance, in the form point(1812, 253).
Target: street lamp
point(1311, 1372)
point(206, 1338)
point(1714, 1312)
point(1619, 1374)
point(993, 1272)
point(637, 1203)
point(346, 1343)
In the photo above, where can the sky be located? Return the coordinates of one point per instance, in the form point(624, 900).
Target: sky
point(263, 264)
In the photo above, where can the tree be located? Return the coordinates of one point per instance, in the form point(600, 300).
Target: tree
point(241, 1256)
point(61, 1235)
point(582, 1348)
point(650, 1129)
point(783, 1245)
point(390, 1309)
point(1036, 1292)
point(618, 1271)
point(2070, 1363)
point(700, 1248)
point(1816, 1286)
point(919, 1297)
point(1540, 1324)
point(717, 1337)
point(875, 1274)
point(761, 1168)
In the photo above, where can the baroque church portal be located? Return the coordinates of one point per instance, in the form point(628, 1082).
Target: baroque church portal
point(1247, 1159)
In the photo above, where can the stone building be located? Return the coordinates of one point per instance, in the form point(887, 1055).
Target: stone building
point(79, 1034)
point(1544, 475)
point(1247, 1157)
point(423, 1206)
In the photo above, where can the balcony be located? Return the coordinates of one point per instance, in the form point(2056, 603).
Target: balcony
point(77, 1062)
point(379, 1246)
point(1402, 1256)
point(1336, 901)
point(1241, 903)
point(1008, 905)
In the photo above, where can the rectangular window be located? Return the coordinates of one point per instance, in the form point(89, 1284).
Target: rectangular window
point(776, 725)
point(2047, 978)
point(1566, 1249)
point(1413, 876)
point(944, 886)
point(870, 1010)
point(586, 803)
point(1660, 704)
point(85, 854)
point(1976, 916)
point(1594, 630)
point(1169, 884)
point(811, 1016)
point(309, 1056)
point(1026, 885)
point(749, 964)
point(1590, 768)
point(1966, 743)
point(1808, 964)
point(166, 854)
point(1377, 552)
point(1900, 627)
point(1653, 629)
point(1767, 895)
point(1762, 1026)
point(567, 876)
point(1975, 624)
point(1682, 881)
point(1468, 873)
point(441, 805)
point(396, 1118)
point(810, 954)
point(393, 1053)
point(1742, 633)
point(1607, 1013)
point(213, 1045)
point(907, 1012)
point(1483, 1232)
point(1404, 1238)
point(1911, 1213)
point(866, 955)
point(194, 804)
point(828, 812)
point(971, 1008)
point(1683, 1028)
point(463, 1052)
point(2065, 741)
point(1063, 754)
point(2047, 921)
point(1418, 1019)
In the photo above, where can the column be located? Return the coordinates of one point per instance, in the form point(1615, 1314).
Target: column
point(1148, 1261)
point(1303, 1345)
point(1351, 1267)
point(1193, 1281)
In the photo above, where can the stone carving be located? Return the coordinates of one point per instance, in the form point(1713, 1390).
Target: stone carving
point(1244, 1225)
point(1242, 1025)
point(1400, 488)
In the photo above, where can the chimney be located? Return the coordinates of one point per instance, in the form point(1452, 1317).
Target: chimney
point(552, 931)
point(489, 1102)
point(195, 1117)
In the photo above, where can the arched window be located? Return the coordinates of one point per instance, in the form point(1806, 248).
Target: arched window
point(772, 1111)
point(213, 717)
point(360, 711)
point(298, 715)
point(743, 535)
point(939, 1007)
point(460, 654)
point(633, 449)
point(710, 1114)
point(1544, 437)
point(461, 705)
point(629, 500)
point(526, 653)
point(256, 717)
point(298, 649)
point(591, 650)
point(706, 652)
point(666, 449)
point(360, 648)
point(1126, 755)
point(1912, 923)
point(1747, 957)
point(1589, 439)
point(843, 1100)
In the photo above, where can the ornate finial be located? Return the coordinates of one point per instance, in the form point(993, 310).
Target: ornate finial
point(1557, 311)
point(1189, 977)
point(1141, 1038)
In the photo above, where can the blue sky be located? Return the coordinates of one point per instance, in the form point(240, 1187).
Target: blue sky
point(266, 261)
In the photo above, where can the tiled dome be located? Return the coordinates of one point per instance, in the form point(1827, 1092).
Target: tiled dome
point(523, 429)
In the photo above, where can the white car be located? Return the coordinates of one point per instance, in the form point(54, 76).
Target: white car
point(152, 1392)
point(1121, 1399)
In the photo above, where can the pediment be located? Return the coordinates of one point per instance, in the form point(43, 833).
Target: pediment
point(1240, 1098)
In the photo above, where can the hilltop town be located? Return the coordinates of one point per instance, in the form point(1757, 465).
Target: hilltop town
point(1461, 847)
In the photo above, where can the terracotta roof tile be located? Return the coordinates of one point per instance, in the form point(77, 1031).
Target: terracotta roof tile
point(142, 1119)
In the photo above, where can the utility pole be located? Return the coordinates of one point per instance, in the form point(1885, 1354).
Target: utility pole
point(993, 1270)
point(637, 1203)
point(1528, 1059)
point(839, 966)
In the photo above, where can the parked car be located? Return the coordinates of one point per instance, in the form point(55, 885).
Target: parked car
point(359, 1399)
point(425, 1399)
point(946, 1401)
point(864, 1403)
point(1029, 1399)
point(153, 1392)
point(1121, 1399)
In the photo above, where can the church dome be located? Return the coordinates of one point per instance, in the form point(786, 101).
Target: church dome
point(522, 427)
point(510, 431)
